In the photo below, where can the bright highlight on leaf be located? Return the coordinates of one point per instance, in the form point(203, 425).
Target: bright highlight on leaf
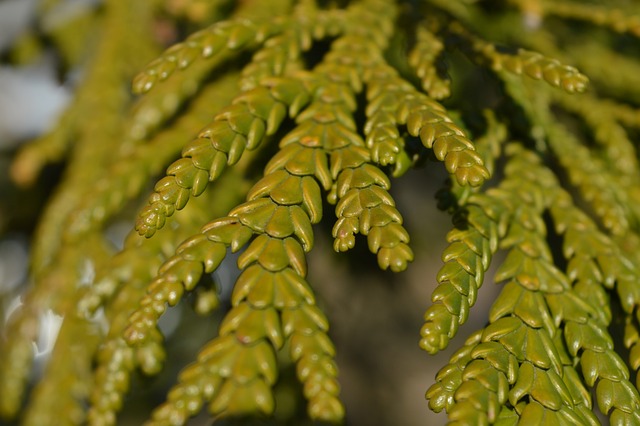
point(254, 131)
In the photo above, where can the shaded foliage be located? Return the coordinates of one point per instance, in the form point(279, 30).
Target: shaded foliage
point(265, 115)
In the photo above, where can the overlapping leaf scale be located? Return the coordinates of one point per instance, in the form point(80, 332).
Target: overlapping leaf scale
point(220, 38)
point(423, 58)
point(587, 339)
point(199, 254)
point(243, 125)
point(603, 369)
point(585, 172)
point(522, 322)
point(160, 105)
point(282, 52)
point(614, 73)
point(474, 386)
point(116, 362)
point(153, 110)
point(632, 342)
point(236, 378)
point(256, 113)
point(472, 397)
point(281, 208)
point(138, 258)
point(520, 319)
point(365, 206)
point(584, 332)
point(441, 395)
point(358, 187)
point(556, 303)
point(611, 263)
point(596, 263)
point(385, 94)
point(120, 288)
point(119, 357)
point(429, 120)
point(279, 54)
point(538, 67)
point(468, 256)
point(525, 316)
point(532, 64)
point(130, 174)
point(363, 203)
point(313, 352)
point(271, 303)
point(593, 259)
point(424, 118)
point(235, 371)
point(490, 144)
point(466, 259)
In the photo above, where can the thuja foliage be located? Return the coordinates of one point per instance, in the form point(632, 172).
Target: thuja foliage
point(269, 116)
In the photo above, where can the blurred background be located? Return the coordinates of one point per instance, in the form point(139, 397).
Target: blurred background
point(375, 316)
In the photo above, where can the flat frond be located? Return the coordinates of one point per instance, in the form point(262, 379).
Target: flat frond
point(282, 132)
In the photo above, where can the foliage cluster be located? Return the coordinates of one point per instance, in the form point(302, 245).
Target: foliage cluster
point(267, 113)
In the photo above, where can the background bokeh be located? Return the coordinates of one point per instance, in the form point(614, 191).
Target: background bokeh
point(376, 316)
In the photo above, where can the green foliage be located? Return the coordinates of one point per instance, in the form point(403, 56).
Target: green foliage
point(269, 112)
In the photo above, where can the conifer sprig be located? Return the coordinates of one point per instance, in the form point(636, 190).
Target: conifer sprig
point(273, 110)
point(54, 265)
point(535, 348)
point(220, 39)
point(127, 179)
point(243, 125)
point(469, 254)
point(521, 62)
point(619, 20)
